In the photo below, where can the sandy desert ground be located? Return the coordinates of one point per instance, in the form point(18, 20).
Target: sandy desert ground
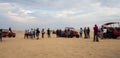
point(58, 48)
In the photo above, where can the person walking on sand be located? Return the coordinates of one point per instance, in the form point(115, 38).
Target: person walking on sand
point(81, 31)
point(88, 32)
point(1, 35)
point(48, 33)
point(43, 32)
point(95, 28)
point(37, 33)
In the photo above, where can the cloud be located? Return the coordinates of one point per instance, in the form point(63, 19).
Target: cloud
point(110, 3)
point(59, 13)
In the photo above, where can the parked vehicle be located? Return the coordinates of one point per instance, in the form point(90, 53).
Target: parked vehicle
point(72, 34)
point(7, 33)
point(113, 30)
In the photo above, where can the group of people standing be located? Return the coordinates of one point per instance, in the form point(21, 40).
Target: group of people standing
point(98, 32)
point(58, 32)
point(65, 33)
point(86, 32)
point(35, 33)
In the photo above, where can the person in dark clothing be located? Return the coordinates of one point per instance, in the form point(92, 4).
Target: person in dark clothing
point(88, 32)
point(10, 30)
point(37, 33)
point(60, 33)
point(95, 28)
point(68, 33)
point(1, 35)
point(26, 34)
point(85, 32)
point(48, 33)
point(43, 32)
point(34, 33)
point(57, 32)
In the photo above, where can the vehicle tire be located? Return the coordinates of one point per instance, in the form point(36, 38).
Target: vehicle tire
point(71, 36)
point(77, 36)
point(105, 35)
point(114, 36)
point(13, 36)
point(4, 36)
point(9, 36)
point(108, 35)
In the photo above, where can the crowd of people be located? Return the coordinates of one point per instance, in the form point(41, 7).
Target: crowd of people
point(68, 33)
point(65, 33)
point(35, 33)
point(86, 32)
point(58, 32)
point(98, 32)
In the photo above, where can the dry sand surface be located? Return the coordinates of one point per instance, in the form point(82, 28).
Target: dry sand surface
point(58, 48)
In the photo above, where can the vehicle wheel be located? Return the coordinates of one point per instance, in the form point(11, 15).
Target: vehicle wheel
point(4, 36)
point(105, 35)
point(71, 36)
point(77, 36)
point(14, 36)
point(9, 36)
point(114, 36)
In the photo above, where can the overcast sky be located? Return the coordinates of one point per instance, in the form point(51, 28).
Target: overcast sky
point(54, 14)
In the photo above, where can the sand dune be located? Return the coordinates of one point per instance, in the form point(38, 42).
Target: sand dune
point(58, 48)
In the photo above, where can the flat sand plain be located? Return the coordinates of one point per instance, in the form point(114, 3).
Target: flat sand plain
point(58, 47)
